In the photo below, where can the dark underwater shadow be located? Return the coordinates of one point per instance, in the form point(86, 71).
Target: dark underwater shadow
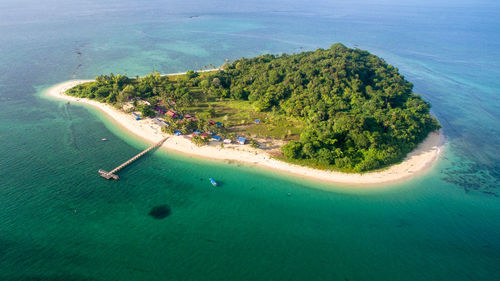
point(160, 212)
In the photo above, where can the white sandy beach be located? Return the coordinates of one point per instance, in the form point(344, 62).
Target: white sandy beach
point(418, 161)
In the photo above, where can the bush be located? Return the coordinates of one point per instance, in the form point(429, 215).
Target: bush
point(146, 110)
point(200, 141)
point(191, 74)
point(292, 150)
point(254, 143)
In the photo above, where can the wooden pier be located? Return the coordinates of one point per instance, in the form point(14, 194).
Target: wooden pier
point(112, 174)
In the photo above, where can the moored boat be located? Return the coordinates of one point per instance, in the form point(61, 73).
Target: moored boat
point(214, 183)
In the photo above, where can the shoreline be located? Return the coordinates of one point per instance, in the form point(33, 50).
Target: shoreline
point(420, 160)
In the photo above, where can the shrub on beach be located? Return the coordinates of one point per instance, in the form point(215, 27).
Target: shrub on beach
point(199, 140)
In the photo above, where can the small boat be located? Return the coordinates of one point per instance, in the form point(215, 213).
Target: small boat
point(213, 182)
point(104, 139)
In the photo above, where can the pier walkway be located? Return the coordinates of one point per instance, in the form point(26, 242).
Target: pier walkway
point(112, 174)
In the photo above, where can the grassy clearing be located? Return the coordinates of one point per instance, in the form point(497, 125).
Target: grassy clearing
point(239, 117)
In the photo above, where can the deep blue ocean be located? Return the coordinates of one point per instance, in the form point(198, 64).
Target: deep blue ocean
point(60, 221)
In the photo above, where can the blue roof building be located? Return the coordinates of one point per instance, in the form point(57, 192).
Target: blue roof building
point(242, 140)
point(137, 116)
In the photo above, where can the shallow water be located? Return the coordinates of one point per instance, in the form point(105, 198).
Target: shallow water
point(59, 221)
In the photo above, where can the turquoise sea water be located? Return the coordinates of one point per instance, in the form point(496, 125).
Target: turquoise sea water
point(444, 225)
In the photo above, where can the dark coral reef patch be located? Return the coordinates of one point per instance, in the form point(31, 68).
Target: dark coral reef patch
point(160, 212)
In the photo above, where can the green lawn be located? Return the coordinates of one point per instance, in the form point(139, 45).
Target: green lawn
point(239, 117)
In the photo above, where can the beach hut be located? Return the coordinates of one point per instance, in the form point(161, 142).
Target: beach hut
point(216, 138)
point(178, 133)
point(205, 134)
point(159, 109)
point(257, 121)
point(227, 141)
point(242, 140)
point(142, 102)
point(196, 132)
point(189, 117)
point(171, 114)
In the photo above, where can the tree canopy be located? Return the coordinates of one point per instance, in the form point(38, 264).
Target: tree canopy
point(361, 113)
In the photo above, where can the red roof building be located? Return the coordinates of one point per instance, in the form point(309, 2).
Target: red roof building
point(171, 114)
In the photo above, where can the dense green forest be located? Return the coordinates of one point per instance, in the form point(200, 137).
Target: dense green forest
point(355, 112)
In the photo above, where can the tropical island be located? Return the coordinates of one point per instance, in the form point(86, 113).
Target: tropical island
point(336, 109)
